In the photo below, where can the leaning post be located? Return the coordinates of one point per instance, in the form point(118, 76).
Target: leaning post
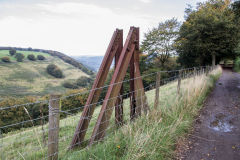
point(53, 129)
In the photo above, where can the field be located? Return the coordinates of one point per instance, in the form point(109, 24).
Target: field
point(30, 77)
point(153, 136)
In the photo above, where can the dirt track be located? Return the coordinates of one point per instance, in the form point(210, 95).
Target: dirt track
point(216, 134)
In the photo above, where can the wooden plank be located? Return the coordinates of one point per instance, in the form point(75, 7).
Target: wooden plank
point(114, 88)
point(93, 97)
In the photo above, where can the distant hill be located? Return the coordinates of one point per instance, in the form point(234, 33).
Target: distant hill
point(92, 62)
point(30, 77)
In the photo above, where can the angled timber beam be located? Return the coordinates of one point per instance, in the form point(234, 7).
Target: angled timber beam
point(115, 87)
point(114, 47)
point(119, 103)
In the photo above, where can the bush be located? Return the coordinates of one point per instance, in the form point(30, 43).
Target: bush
point(31, 57)
point(12, 52)
point(19, 57)
point(41, 57)
point(53, 70)
point(36, 111)
point(70, 85)
point(237, 64)
point(84, 81)
point(6, 59)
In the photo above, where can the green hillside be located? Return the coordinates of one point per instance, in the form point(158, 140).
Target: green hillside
point(31, 78)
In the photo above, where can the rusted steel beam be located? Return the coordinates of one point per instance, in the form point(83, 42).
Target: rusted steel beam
point(119, 103)
point(141, 99)
point(114, 88)
point(132, 93)
point(114, 46)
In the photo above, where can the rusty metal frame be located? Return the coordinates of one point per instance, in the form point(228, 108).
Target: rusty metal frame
point(124, 56)
point(114, 49)
point(130, 53)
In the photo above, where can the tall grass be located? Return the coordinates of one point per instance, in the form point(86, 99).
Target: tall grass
point(152, 136)
point(155, 135)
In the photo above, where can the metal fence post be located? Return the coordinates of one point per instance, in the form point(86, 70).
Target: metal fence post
point(157, 90)
point(179, 82)
point(53, 129)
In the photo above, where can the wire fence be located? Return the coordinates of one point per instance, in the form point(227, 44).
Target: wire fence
point(28, 137)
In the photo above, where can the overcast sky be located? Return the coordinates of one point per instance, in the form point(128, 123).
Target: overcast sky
point(80, 27)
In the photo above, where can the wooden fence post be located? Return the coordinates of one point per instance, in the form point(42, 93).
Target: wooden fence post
point(207, 70)
point(194, 72)
point(1, 146)
point(179, 82)
point(53, 129)
point(157, 90)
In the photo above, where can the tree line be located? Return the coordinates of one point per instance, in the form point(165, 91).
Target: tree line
point(210, 33)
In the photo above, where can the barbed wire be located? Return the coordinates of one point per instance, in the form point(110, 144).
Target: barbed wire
point(84, 92)
point(65, 138)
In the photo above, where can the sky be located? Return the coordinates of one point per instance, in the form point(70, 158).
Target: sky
point(80, 27)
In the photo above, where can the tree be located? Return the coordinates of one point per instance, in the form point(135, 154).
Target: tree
point(236, 8)
point(84, 81)
point(19, 57)
point(41, 57)
point(12, 52)
point(31, 57)
point(208, 34)
point(53, 70)
point(6, 59)
point(159, 42)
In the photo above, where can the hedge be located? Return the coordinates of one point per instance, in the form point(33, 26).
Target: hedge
point(15, 115)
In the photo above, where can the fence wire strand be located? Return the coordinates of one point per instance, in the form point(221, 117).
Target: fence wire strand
point(38, 136)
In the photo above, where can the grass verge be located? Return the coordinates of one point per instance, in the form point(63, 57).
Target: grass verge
point(152, 136)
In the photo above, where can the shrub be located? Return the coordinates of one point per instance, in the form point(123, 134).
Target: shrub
point(18, 114)
point(237, 64)
point(70, 85)
point(19, 57)
point(31, 57)
point(6, 59)
point(12, 52)
point(83, 81)
point(41, 57)
point(53, 70)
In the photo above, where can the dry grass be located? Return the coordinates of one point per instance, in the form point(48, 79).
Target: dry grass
point(152, 136)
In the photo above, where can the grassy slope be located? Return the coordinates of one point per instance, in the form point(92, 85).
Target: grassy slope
point(31, 78)
point(150, 137)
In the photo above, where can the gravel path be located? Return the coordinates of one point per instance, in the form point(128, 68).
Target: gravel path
point(216, 134)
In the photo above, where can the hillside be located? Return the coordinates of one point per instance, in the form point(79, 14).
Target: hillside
point(30, 77)
point(91, 62)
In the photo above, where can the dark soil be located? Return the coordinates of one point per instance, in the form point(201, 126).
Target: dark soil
point(216, 133)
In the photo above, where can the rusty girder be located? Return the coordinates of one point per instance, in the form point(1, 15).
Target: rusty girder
point(114, 48)
point(124, 56)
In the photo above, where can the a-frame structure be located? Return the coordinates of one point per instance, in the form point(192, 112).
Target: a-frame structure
point(124, 57)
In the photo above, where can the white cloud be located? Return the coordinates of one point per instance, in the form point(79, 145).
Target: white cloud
point(76, 27)
point(74, 8)
point(145, 1)
point(72, 28)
